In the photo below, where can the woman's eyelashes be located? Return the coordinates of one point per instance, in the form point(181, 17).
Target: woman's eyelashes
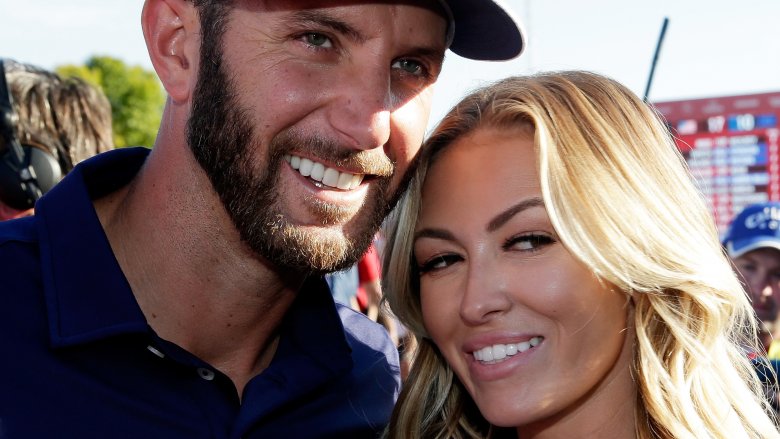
point(528, 242)
point(524, 242)
point(438, 262)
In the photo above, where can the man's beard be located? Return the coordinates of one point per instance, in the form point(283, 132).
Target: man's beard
point(221, 136)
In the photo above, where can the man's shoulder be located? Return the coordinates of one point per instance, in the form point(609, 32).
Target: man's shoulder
point(20, 230)
point(375, 371)
point(347, 341)
point(20, 267)
point(19, 248)
point(369, 332)
point(369, 340)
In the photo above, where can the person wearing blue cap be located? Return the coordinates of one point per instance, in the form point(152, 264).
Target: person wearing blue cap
point(190, 303)
point(753, 244)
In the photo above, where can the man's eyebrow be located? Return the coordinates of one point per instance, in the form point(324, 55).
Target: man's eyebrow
point(502, 218)
point(432, 53)
point(320, 18)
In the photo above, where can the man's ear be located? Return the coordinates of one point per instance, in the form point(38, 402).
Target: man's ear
point(172, 33)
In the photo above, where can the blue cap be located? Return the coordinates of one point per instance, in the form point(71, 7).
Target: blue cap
point(757, 226)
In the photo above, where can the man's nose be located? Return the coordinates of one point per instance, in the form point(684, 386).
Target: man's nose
point(361, 108)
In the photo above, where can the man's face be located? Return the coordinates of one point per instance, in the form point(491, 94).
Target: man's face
point(760, 270)
point(306, 119)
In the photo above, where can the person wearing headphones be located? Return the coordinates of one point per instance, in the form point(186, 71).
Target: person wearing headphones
point(48, 124)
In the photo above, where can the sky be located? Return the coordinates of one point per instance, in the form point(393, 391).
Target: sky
point(711, 47)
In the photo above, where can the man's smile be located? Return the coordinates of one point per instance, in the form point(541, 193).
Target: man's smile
point(323, 174)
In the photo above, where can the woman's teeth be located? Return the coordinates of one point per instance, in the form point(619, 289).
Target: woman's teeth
point(320, 173)
point(498, 352)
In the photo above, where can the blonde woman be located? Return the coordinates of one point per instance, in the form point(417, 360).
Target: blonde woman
point(564, 277)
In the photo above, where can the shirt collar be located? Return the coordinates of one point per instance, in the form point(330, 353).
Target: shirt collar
point(87, 295)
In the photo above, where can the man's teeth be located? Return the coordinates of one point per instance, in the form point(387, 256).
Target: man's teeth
point(327, 176)
point(500, 351)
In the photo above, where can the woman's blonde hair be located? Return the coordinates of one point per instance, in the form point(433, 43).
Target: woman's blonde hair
point(620, 197)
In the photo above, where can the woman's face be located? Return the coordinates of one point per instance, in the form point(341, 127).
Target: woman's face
point(536, 339)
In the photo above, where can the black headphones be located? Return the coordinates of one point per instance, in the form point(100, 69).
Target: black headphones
point(26, 172)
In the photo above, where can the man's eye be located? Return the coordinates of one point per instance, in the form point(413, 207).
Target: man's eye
point(410, 66)
point(317, 40)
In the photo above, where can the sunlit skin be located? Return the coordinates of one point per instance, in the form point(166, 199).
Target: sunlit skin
point(493, 271)
point(760, 270)
point(358, 74)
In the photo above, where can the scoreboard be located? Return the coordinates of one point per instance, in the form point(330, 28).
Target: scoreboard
point(731, 146)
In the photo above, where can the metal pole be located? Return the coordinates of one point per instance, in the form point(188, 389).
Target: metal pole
point(655, 58)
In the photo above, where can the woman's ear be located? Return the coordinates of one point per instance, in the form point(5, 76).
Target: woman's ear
point(172, 33)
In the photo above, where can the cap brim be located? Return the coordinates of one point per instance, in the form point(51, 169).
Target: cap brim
point(736, 249)
point(485, 30)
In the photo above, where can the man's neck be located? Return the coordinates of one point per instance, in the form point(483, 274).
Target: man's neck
point(198, 285)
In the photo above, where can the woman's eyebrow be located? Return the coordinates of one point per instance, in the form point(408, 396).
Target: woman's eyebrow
point(433, 233)
point(502, 218)
point(497, 221)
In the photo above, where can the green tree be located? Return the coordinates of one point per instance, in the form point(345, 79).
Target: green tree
point(136, 97)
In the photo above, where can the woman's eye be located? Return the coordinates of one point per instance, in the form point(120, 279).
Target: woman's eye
point(410, 66)
point(437, 263)
point(317, 40)
point(530, 243)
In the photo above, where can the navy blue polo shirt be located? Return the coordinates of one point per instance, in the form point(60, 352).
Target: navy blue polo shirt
point(80, 361)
